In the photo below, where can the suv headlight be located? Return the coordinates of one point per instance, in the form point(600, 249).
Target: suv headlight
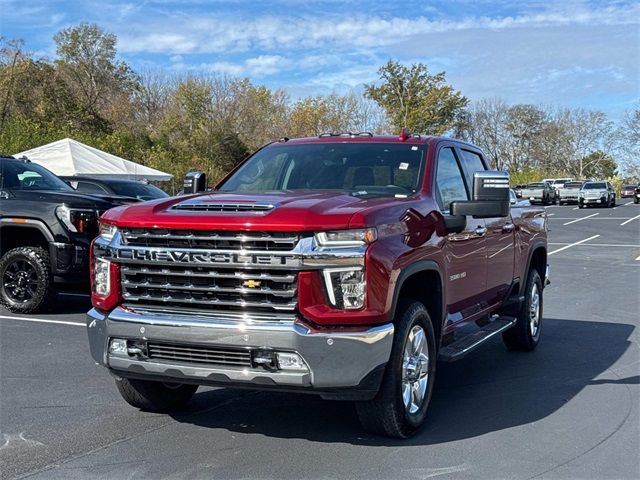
point(347, 238)
point(107, 231)
point(345, 287)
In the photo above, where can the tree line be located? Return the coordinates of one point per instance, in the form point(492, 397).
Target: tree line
point(181, 122)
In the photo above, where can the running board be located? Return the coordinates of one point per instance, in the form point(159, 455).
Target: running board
point(459, 348)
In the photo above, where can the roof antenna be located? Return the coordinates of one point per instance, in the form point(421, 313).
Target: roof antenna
point(404, 135)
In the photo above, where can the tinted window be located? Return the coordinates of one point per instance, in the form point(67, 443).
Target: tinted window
point(472, 163)
point(594, 186)
point(29, 176)
point(357, 168)
point(573, 185)
point(140, 191)
point(537, 185)
point(86, 187)
point(449, 182)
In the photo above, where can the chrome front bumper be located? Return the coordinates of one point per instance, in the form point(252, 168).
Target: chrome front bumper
point(335, 358)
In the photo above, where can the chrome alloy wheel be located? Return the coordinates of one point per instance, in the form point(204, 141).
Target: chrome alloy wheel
point(534, 311)
point(415, 370)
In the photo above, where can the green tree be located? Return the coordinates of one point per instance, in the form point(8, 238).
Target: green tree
point(101, 83)
point(598, 165)
point(417, 100)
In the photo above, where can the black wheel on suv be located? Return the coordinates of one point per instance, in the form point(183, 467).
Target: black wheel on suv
point(155, 396)
point(400, 407)
point(26, 285)
point(525, 334)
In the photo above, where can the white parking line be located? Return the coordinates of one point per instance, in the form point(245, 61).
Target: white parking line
point(624, 223)
point(628, 203)
point(580, 219)
point(41, 320)
point(550, 214)
point(573, 244)
point(599, 244)
point(576, 208)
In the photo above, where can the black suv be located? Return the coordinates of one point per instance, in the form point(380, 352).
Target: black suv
point(125, 190)
point(45, 231)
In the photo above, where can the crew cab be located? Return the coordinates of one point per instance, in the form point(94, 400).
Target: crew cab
point(342, 265)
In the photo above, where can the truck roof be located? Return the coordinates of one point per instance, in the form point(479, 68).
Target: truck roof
point(367, 137)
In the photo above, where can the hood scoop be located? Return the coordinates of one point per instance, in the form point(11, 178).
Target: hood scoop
point(220, 207)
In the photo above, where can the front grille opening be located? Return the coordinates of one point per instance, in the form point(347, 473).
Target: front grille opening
point(261, 241)
point(199, 355)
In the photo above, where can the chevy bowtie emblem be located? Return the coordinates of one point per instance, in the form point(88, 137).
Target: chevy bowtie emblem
point(251, 283)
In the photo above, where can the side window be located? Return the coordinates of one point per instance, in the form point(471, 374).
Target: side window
point(86, 187)
point(471, 163)
point(449, 182)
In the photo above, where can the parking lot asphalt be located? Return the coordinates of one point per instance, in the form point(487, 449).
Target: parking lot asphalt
point(568, 410)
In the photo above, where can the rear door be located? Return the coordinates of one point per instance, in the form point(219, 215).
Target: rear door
point(500, 237)
point(465, 252)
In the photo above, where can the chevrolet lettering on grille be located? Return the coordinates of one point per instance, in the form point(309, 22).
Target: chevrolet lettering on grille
point(177, 256)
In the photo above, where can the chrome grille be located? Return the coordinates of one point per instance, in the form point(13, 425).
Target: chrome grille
point(156, 237)
point(193, 287)
point(196, 354)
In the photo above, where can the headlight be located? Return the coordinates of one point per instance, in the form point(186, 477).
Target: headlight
point(347, 238)
point(77, 220)
point(102, 277)
point(107, 231)
point(345, 287)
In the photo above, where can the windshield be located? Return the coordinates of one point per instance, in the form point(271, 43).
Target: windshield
point(629, 187)
point(140, 191)
point(595, 186)
point(371, 169)
point(17, 175)
point(573, 185)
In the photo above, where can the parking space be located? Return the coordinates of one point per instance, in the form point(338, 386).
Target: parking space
point(568, 410)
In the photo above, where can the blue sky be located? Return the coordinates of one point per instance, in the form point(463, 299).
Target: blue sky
point(568, 53)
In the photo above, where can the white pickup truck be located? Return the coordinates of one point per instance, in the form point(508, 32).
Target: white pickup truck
point(569, 193)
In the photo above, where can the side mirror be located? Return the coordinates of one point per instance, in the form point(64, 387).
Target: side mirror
point(491, 196)
point(195, 182)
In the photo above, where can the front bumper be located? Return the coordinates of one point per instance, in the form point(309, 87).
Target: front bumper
point(335, 359)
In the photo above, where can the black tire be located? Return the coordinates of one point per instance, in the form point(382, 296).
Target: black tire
point(522, 337)
point(26, 284)
point(613, 202)
point(581, 205)
point(155, 396)
point(636, 201)
point(386, 414)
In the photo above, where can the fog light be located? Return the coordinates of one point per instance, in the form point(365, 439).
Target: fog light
point(290, 361)
point(345, 287)
point(265, 359)
point(118, 346)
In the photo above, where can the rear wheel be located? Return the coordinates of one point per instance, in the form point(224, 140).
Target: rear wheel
point(26, 285)
point(155, 396)
point(525, 334)
point(400, 407)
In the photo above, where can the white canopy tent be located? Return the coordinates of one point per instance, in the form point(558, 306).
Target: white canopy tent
point(69, 157)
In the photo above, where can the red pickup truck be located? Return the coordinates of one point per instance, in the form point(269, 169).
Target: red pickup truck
point(339, 265)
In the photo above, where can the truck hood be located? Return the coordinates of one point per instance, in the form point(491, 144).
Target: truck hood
point(71, 199)
point(281, 211)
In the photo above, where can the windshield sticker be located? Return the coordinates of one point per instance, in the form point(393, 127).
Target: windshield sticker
point(403, 166)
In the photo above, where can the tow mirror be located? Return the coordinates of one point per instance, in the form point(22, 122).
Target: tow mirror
point(490, 196)
point(194, 182)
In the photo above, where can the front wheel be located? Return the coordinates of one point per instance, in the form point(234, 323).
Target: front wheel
point(26, 285)
point(400, 407)
point(525, 334)
point(155, 396)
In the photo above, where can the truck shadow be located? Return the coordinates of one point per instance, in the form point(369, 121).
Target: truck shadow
point(490, 390)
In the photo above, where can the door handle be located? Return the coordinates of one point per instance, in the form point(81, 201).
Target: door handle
point(508, 227)
point(481, 231)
